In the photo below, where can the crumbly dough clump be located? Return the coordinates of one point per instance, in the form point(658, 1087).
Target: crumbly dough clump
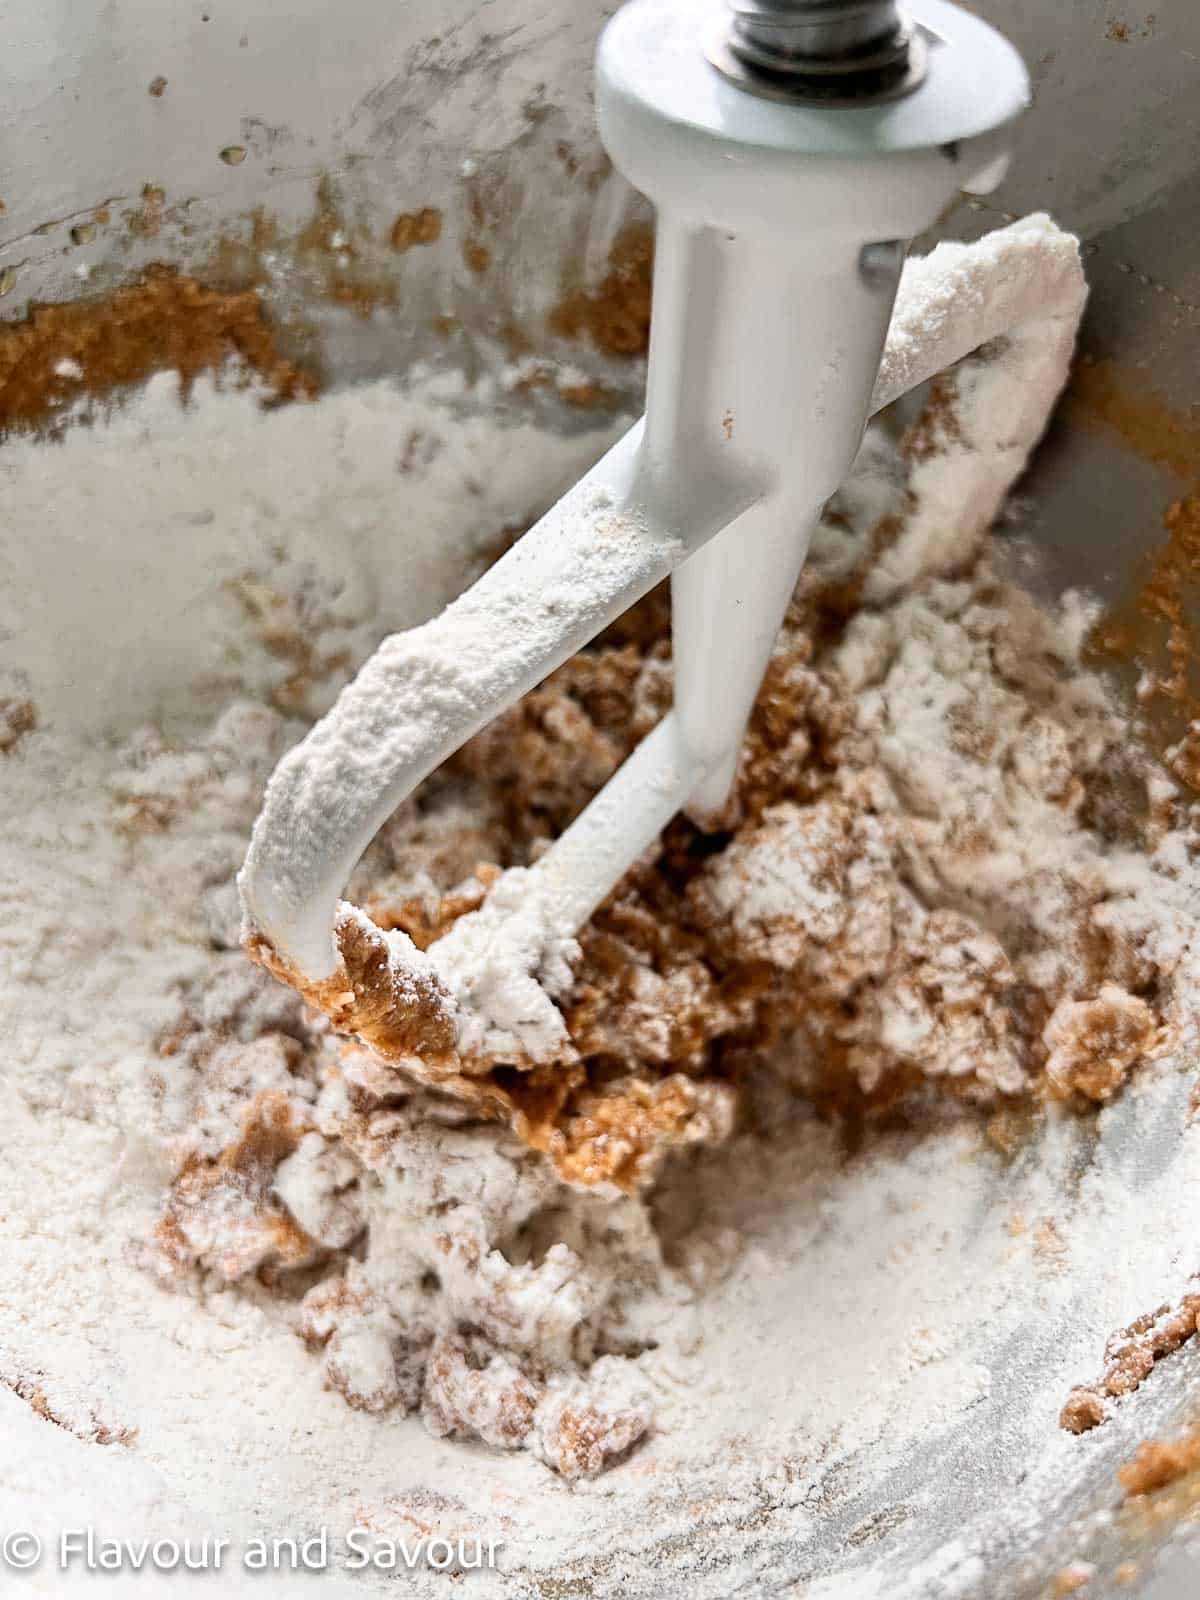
point(1160, 1462)
point(1129, 1358)
point(925, 877)
point(1093, 1043)
point(945, 870)
point(931, 879)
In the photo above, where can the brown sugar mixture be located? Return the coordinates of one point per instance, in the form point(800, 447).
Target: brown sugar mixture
point(58, 353)
point(916, 886)
point(616, 315)
point(1129, 1358)
point(1156, 627)
point(1159, 1463)
point(943, 873)
point(946, 870)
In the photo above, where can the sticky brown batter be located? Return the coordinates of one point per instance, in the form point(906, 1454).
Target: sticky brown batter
point(163, 321)
point(692, 972)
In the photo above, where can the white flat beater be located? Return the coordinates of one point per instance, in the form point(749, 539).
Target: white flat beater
point(791, 148)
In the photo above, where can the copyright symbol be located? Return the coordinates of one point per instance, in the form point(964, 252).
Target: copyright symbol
point(21, 1551)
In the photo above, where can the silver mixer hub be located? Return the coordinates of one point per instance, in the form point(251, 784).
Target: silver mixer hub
point(828, 52)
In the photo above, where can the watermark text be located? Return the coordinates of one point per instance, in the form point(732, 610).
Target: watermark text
point(358, 1549)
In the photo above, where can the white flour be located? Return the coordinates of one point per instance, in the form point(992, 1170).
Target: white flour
point(806, 1335)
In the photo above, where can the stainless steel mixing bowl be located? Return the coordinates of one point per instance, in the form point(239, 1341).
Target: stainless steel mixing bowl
point(480, 109)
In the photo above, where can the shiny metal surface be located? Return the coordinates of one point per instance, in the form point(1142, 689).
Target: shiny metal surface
point(845, 50)
point(815, 27)
point(879, 73)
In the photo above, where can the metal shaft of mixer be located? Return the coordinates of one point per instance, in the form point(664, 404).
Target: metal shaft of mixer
point(854, 51)
point(783, 33)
